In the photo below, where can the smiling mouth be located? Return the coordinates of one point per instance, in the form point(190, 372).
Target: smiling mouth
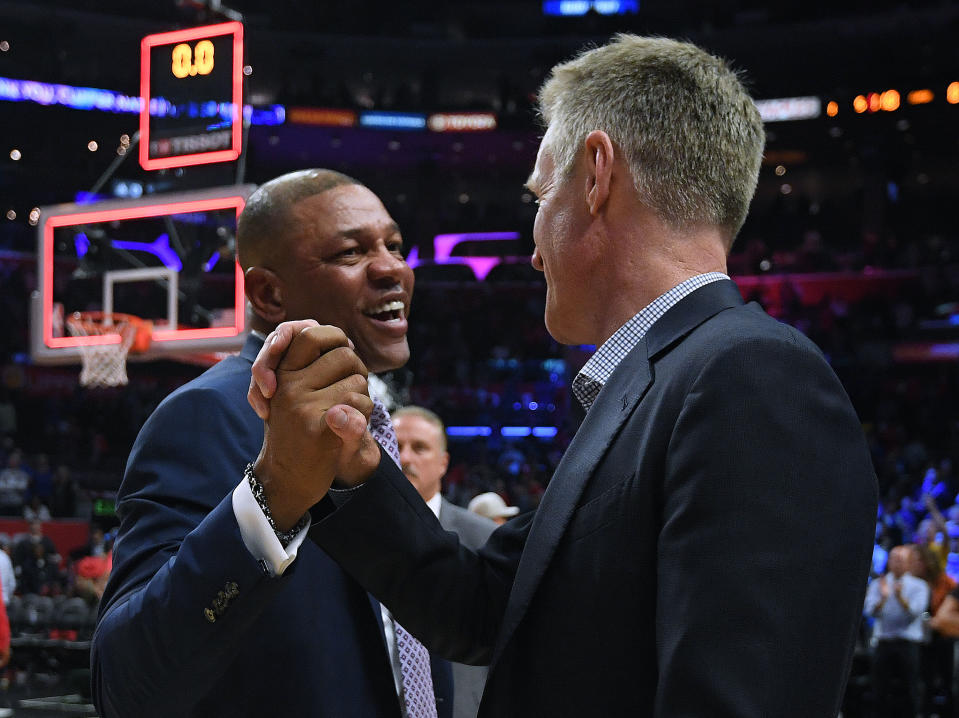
point(388, 311)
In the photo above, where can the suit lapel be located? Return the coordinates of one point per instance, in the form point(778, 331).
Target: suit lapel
point(619, 396)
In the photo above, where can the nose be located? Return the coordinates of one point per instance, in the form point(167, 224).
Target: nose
point(387, 265)
point(536, 260)
point(405, 454)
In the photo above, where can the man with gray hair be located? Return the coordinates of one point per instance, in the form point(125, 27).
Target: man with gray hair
point(704, 545)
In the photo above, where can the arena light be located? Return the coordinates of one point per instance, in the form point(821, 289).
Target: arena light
point(920, 97)
point(832, 109)
point(78, 98)
point(873, 102)
point(567, 8)
point(393, 120)
point(952, 93)
point(860, 104)
point(462, 122)
point(786, 109)
point(540, 432)
point(265, 116)
point(92, 98)
point(321, 116)
point(468, 431)
point(443, 245)
point(889, 101)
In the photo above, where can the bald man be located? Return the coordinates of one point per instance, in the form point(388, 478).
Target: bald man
point(897, 600)
point(206, 613)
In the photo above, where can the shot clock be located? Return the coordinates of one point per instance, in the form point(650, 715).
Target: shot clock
point(190, 61)
point(191, 82)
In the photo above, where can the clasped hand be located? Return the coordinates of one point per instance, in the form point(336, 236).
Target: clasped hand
point(309, 387)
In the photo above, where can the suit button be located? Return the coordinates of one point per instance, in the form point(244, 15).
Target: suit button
point(210, 616)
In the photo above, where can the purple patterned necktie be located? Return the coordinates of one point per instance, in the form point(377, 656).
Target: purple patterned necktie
point(414, 659)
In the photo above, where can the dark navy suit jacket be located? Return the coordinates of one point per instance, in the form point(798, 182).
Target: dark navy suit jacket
point(308, 643)
point(701, 551)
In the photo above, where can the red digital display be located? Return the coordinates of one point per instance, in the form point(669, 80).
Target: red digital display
point(191, 85)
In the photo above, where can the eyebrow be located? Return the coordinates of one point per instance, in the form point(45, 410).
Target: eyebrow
point(357, 232)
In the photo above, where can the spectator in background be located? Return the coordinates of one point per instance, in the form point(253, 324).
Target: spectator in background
point(946, 619)
point(924, 564)
point(39, 572)
point(492, 506)
point(897, 601)
point(880, 553)
point(92, 572)
point(8, 414)
point(4, 642)
point(8, 579)
point(63, 502)
point(41, 479)
point(36, 510)
point(933, 531)
point(95, 546)
point(23, 549)
point(936, 659)
point(14, 482)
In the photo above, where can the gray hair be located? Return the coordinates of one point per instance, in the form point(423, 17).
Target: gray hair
point(425, 414)
point(688, 129)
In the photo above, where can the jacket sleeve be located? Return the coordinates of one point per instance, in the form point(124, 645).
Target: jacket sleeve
point(184, 590)
point(449, 597)
point(769, 504)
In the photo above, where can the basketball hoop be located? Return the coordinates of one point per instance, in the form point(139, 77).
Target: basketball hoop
point(113, 336)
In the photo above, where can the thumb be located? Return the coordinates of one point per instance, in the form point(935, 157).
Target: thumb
point(348, 423)
point(360, 453)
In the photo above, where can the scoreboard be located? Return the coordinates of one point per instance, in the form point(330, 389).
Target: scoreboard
point(191, 84)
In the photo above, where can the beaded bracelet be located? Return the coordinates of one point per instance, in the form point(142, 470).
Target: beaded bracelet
point(259, 494)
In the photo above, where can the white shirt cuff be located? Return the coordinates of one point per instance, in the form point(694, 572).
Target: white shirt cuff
point(258, 536)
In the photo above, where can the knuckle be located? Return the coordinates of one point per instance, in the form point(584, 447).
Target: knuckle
point(356, 383)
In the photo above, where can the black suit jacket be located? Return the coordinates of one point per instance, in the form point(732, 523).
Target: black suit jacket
point(702, 549)
point(308, 643)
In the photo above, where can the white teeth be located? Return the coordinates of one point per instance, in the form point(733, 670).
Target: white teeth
point(394, 306)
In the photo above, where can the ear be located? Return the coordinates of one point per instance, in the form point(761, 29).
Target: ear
point(446, 461)
point(264, 289)
point(599, 158)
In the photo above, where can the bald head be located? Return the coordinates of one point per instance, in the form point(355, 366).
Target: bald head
point(899, 561)
point(267, 213)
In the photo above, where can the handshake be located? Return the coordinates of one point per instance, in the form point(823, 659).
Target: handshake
point(310, 389)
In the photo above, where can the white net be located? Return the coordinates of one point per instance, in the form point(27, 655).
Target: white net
point(103, 364)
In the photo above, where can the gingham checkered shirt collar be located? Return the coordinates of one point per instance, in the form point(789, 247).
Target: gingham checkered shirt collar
point(596, 372)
